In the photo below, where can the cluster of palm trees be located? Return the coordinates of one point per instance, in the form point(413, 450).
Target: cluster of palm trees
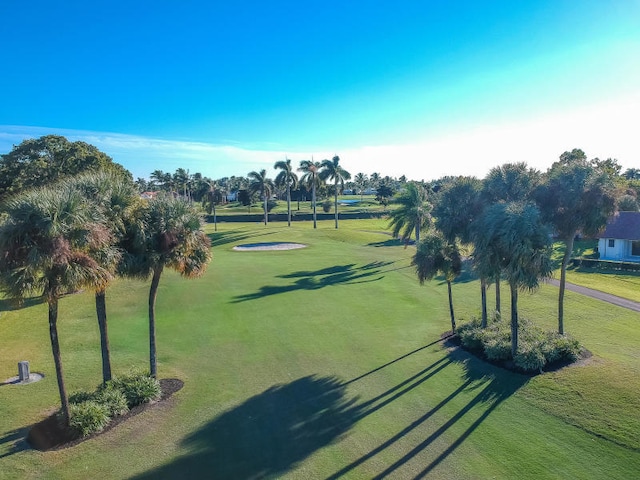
point(85, 231)
point(314, 174)
point(505, 222)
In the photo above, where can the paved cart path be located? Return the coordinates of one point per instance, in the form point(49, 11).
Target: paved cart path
point(605, 297)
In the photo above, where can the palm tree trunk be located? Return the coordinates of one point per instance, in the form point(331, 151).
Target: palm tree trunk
point(264, 196)
point(453, 318)
point(514, 319)
point(563, 280)
point(101, 312)
point(57, 359)
point(498, 294)
point(215, 220)
point(313, 200)
point(483, 294)
point(336, 202)
point(153, 293)
point(288, 204)
point(417, 233)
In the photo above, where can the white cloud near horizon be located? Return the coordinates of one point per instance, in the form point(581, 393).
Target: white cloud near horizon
point(602, 130)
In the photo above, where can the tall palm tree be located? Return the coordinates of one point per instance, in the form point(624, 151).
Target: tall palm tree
point(413, 212)
point(362, 181)
point(45, 242)
point(288, 178)
point(310, 178)
point(331, 170)
point(259, 183)
point(115, 197)
point(519, 238)
point(435, 255)
point(167, 233)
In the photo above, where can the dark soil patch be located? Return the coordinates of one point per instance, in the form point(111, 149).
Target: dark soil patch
point(453, 342)
point(49, 434)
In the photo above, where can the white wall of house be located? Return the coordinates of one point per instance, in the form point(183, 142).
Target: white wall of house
point(620, 249)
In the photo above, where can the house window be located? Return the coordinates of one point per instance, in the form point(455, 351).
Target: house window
point(612, 243)
point(635, 248)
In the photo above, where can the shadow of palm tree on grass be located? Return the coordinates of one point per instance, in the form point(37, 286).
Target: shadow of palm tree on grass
point(270, 433)
point(314, 280)
point(13, 442)
point(7, 305)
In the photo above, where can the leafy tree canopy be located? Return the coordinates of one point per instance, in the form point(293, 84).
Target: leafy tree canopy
point(40, 161)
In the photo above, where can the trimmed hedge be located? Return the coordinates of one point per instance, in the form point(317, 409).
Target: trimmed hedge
point(605, 264)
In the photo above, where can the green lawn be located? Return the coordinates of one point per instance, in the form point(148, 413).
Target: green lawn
point(622, 284)
point(325, 362)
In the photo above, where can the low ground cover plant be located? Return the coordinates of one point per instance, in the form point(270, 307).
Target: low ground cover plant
point(92, 411)
point(537, 349)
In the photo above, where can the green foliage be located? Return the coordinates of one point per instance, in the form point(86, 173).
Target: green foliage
point(326, 206)
point(88, 417)
point(137, 388)
point(80, 397)
point(537, 348)
point(40, 161)
point(112, 398)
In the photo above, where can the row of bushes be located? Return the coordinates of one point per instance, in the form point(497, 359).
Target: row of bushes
point(92, 411)
point(537, 348)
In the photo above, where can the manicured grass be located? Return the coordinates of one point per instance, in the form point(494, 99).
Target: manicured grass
point(622, 284)
point(326, 362)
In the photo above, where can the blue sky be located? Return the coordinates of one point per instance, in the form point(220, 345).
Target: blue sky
point(421, 88)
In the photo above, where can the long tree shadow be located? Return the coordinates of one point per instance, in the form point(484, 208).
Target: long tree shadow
point(494, 388)
point(314, 280)
point(7, 305)
point(270, 433)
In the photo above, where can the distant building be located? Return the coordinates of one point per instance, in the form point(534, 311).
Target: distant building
point(621, 238)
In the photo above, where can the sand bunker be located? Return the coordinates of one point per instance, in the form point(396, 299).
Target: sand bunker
point(251, 247)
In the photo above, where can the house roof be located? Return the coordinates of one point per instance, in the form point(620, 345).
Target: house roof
point(623, 225)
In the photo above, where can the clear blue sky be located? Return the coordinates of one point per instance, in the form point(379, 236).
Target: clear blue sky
point(422, 88)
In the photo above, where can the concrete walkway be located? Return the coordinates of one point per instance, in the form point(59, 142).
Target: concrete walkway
point(605, 297)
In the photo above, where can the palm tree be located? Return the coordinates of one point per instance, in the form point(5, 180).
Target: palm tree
point(45, 242)
point(413, 212)
point(331, 170)
point(361, 181)
point(577, 196)
point(435, 255)
point(520, 240)
point(288, 178)
point(260, 183)
point(311, 179)
point(167, 233)
point(114, 196)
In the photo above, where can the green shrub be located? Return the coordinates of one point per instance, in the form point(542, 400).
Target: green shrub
point(80, 397)
point(530, 358)
point(326, 206)
point(497, 349)
point(88, 417)
point(113, 399)
point(137, 388)
point(471, 335)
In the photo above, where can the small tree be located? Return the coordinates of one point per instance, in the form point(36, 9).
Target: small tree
point(412, 213)
point(435, 255)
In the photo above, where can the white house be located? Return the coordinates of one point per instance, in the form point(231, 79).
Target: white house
point(621, 238)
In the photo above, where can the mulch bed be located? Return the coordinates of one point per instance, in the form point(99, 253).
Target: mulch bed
point(49, 434)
